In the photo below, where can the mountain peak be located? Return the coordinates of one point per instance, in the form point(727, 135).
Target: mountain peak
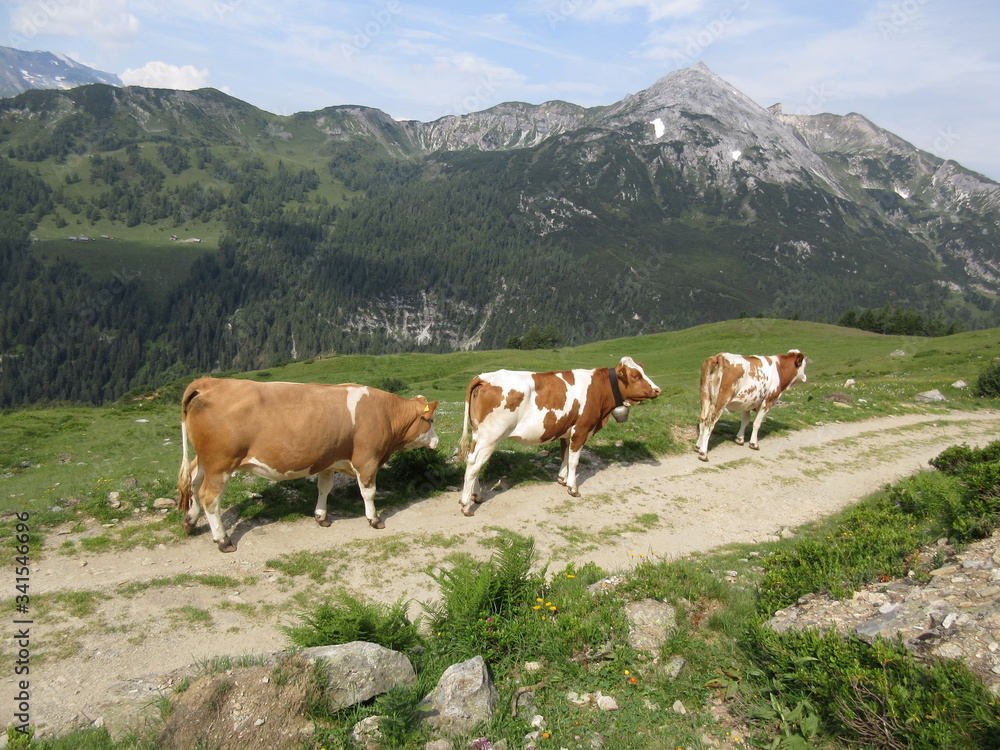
point(21, 70)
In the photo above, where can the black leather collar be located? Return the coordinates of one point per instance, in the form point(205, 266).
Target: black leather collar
point(613, 377)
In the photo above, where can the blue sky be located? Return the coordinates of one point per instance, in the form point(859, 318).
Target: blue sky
point(927, 70)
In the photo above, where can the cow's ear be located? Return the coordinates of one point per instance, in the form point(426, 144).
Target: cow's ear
point(429, 409)
point(800, 358)
point(622, 372)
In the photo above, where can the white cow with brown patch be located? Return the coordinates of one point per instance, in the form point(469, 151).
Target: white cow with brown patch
point(742, 384)
point(539, 407)
point(289, 431)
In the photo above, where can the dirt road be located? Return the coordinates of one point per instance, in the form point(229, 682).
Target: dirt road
point(107, 661)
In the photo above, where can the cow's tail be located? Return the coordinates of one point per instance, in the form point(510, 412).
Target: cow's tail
point(463, 444)
point(711, 381)
point(184, 475)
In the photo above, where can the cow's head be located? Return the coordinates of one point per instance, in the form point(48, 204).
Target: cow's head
point(799, 360)
point(633, 383)
point(421, 433)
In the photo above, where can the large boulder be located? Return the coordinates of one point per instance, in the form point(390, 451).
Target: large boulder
point(358, 671)
point(464, 697)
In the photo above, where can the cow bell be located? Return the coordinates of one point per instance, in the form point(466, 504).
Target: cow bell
point(620, 413)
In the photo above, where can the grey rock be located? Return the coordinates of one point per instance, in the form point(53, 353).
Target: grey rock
point(464, 697)
point(358, 671)
point(650, 622)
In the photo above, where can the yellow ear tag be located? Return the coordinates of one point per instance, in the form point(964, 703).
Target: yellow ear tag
point(427, 408)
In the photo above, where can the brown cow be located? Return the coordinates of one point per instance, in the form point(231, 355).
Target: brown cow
point(288, 431)
point(539, 407)
point(744, 384)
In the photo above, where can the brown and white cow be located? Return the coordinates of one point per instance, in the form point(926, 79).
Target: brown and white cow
point(288, 431)
point(539, 407)
point(744, 384)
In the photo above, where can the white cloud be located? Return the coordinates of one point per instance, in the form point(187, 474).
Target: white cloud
point(161, 75)
point(106, 23)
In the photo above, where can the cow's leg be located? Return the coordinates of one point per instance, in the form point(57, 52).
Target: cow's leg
point(366, 483)
point(705, 428)
point(211, 498)
point(756, 427)
point(563, 462)
point(478, 456)
point(573, 447)
point(324, 486)
point(744, 421)
point(190, 520)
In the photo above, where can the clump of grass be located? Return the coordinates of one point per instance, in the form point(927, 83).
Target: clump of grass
point(190, 615)
point(303, 563)
point(343, 619)
point(481, 605)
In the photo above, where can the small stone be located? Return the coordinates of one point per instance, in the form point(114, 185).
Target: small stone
point(673, 667)
point(679, 708)
point(259, 722)
point(606, 703)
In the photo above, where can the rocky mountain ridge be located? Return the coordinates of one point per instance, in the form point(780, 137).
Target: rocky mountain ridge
point(21, 70)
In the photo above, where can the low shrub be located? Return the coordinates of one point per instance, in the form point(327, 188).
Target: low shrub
point(873, 694)
point(343, 619)
point(390, 384)
point(958, 458)
point(988, 383)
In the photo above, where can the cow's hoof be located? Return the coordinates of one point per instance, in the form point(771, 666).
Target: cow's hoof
point(187, 526)
point(754, 447)
point(739, 441)
point(703, 457)
point(322, 521)
point(573, 491)
point(561, 481)
point(478, 500)
point(226, 545)
point(376, 523)
point(467, 511)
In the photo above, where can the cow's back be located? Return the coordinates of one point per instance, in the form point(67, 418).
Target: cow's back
point(287, 426)
point(528, 406)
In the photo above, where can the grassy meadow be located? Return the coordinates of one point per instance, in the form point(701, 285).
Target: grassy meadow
point(62, 462)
